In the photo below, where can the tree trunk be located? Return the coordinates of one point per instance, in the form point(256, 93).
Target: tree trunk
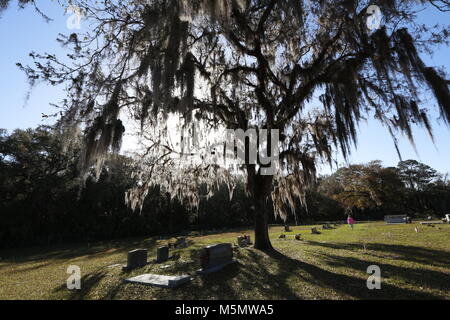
point(259, 187)
point(262, 240)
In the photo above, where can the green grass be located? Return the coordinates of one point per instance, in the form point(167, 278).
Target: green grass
point(331, 265)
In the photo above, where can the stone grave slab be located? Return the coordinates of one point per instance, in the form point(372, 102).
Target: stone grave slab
point(431, 222)
point(160, 280)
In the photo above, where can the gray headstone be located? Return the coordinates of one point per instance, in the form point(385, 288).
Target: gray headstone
point(215, 257)
point(314, 231)
point(136, 258)
point(162, 254)
point(160, 280)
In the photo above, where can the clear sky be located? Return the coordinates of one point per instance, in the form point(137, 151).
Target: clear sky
point(22, 31)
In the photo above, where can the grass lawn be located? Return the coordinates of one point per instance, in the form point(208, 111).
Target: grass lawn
point(330, 265)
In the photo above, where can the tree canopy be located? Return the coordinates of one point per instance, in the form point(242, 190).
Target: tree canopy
point(310, 69)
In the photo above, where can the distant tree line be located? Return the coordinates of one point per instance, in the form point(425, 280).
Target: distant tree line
point(370, 191)
point(41, 201)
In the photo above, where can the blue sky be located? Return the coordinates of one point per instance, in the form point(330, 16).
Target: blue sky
point(23, 30)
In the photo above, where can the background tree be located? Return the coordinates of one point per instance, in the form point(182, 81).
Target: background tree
point(365, 187)
point(416, 175)
point(41, 203)
point(242, 64)
point(419, 180)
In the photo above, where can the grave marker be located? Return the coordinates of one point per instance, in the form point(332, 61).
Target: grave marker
point(181, 242)
point(160, 280)
point(447, 218)
point(162, 254)
point(396, 219)
point(216, 257)
point(136, 259)
point(242, 241)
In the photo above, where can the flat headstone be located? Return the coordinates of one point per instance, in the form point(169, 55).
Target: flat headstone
point(160, 280)
point(136, 259)
point(431, 222)
point(162, 254)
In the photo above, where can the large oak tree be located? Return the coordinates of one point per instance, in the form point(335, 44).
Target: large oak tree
point(310, 69)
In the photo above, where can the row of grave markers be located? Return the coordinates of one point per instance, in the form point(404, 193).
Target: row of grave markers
point(212, 258)
point(138, 258)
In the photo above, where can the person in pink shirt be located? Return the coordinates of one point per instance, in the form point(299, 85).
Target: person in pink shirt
point(350, 221)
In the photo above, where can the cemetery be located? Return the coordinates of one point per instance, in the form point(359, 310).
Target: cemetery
point(224, 150)
point(305, 265)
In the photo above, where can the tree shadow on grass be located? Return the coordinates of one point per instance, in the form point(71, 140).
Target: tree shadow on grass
point(66, 252)
point(421, 255)
point(88, 283)
point(344, 284)
point(417, 277)
point(266, 275)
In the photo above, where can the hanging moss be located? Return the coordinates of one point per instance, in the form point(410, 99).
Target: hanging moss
point(440, 89)
point(241, 64)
